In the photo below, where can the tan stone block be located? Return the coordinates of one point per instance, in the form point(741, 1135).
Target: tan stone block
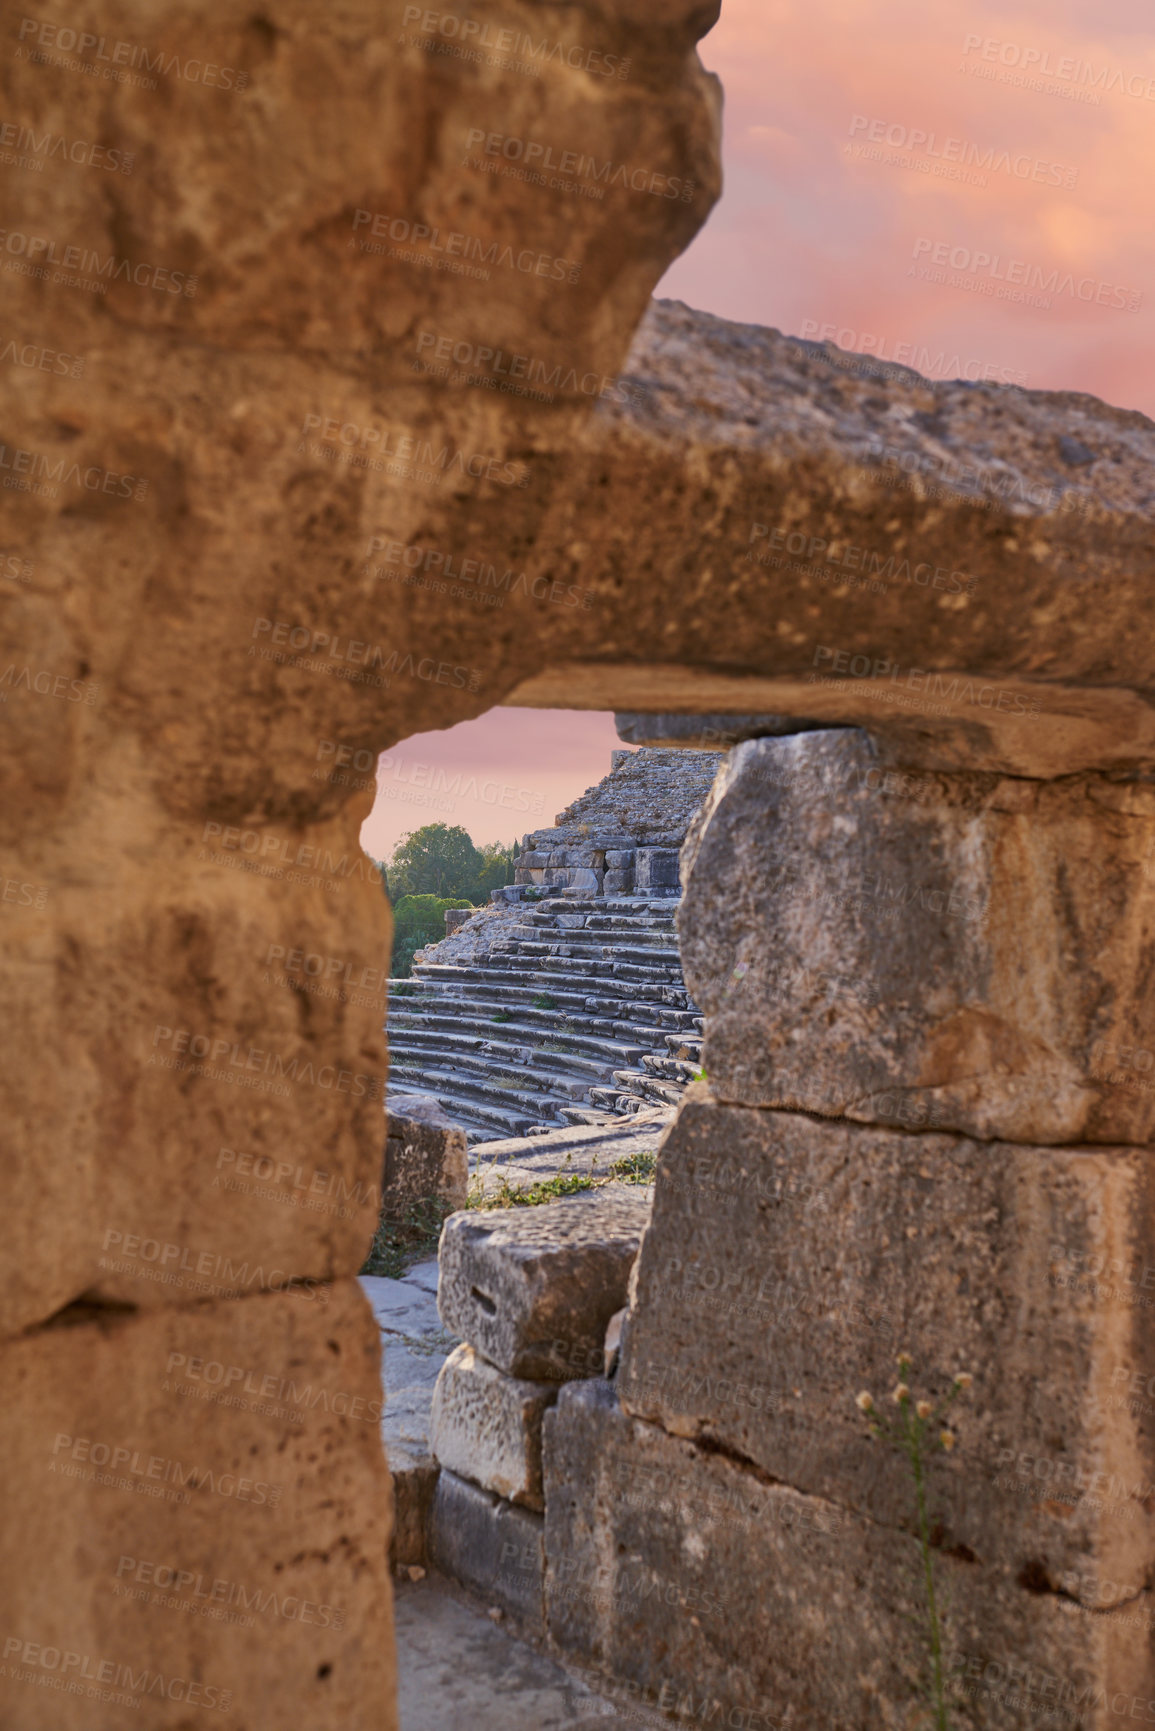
point(198, 1495)
point(486, 1426)
point(725, 1597)
point(949, 951)
point(790, 1260)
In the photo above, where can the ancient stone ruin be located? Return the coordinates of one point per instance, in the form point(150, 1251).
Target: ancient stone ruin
point(565, 1002)
point(918, 929)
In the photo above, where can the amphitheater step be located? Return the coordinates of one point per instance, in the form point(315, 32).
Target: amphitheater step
point(575, 1011)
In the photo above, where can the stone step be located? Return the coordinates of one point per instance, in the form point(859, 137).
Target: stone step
point(593, 1028)
point(570, 1008)
point(498, 1088)
point(668, 1069)
point(503, 1082)
point(569, 991)
point(527, 941)
point(477, 1110)
point(491, 1127)
point(502, 1075)
point(438, 1042)
point(441, 1020)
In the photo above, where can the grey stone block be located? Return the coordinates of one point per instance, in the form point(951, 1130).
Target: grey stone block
point(486, 1426)
point(489, 1546)
point(619, 858)
point(534, 1288)
point(426, 1159)
point(617, 883)
point(656, 868)
point(728, 1599)
point(789, 1261)
point(961, 950)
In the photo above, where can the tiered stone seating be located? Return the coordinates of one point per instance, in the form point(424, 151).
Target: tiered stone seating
point(580, 1011)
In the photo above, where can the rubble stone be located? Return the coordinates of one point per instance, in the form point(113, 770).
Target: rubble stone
point(534, 1288)
point(426, 1162)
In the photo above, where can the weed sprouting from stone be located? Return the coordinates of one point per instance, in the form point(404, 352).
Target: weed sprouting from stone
point(918, 1431)
point(636, 1168)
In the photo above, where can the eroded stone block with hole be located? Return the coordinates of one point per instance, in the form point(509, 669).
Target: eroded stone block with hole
point(733, 1599)
point(534, 1288)
point(789, 1260)
point(966, 951)
point(188, 1488)
point(486, 1426)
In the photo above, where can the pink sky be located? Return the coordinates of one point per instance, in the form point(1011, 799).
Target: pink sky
point(508, 772)
point(810, 234)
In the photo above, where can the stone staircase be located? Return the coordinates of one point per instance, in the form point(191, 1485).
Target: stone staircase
point(578, 1011)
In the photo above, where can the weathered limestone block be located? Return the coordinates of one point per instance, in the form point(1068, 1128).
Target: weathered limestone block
point(490, 1546)
point(534, 1288)
point(945, 575)
point(486, 1426)
point(198, 1493)
point(217, 1141)
point(734, 1600)
point(790, 1260)
point(426, 1161)
point(964, 951)
point(175, 727)
point(618, 883)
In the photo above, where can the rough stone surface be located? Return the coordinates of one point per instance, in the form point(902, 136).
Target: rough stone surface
point(486, 1426)
point(704, 732)
point(534, 1288)
point(270, 420)
point(132, 1449)
point(967, 951)
point(425, 1161)
point(915, 557)
point(622, 834)
point(723, 1594)
point(789, 1261)
point(490, 1546)
point(459, 1670)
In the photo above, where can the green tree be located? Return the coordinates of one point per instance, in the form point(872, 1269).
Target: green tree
point(497, 863)
point(436, 860)
point(417, 921)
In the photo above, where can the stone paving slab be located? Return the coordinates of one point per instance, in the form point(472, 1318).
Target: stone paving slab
point(414, 1345)
point(457, 1668)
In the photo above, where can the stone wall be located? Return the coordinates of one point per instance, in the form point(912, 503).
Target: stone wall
point(235, 488)
point(923, 1133)
point(622, 836)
